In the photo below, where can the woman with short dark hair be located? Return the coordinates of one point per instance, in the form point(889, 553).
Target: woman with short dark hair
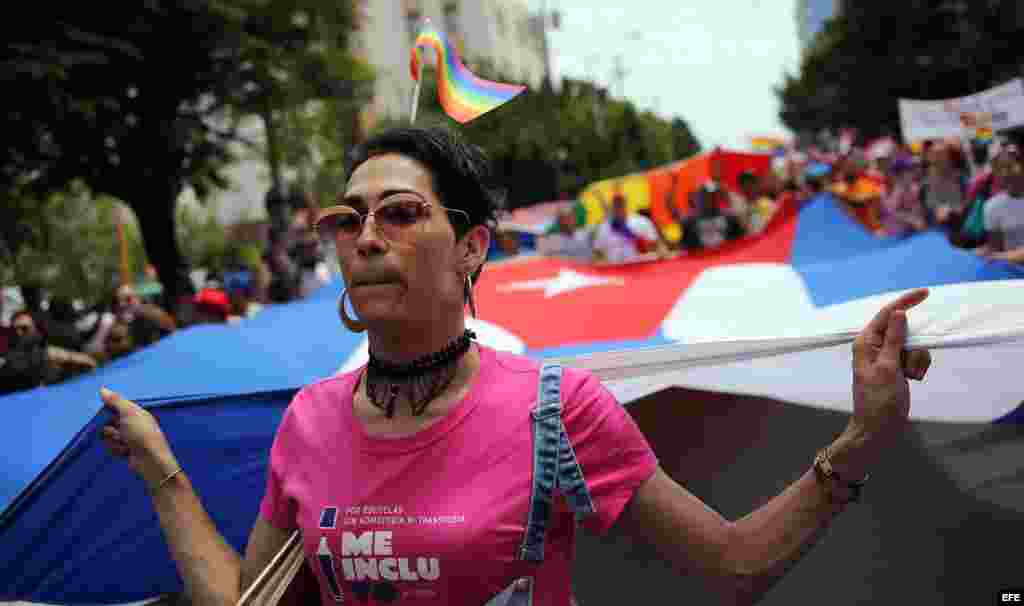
point(430, 475)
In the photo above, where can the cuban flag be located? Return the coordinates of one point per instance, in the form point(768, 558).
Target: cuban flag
point(781, 308)
point(749, 334)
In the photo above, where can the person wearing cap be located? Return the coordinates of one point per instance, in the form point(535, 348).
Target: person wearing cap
point(212, 306)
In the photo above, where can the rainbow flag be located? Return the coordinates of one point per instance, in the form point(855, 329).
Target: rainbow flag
point(766, 144)
point(463, 95)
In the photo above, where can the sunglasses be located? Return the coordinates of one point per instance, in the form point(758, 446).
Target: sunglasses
point(394, 219)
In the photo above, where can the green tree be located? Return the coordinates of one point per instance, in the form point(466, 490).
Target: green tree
point(69, 245)
point(140, 103)
point(877, 52)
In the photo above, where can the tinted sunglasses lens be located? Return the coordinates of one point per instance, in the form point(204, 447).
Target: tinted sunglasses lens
point(343, 224)
point(395, 217)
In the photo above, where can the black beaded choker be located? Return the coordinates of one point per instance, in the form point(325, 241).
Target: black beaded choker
point(421, 380)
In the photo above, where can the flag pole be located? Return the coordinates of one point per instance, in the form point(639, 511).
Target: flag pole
point(416, 93)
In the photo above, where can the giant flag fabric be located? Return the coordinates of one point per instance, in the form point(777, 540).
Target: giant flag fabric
point(77, 527)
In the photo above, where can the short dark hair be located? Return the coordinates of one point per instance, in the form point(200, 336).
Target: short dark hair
point(462, 173)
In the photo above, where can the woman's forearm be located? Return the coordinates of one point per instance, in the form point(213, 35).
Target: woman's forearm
point(768, 542)
point(208, 565)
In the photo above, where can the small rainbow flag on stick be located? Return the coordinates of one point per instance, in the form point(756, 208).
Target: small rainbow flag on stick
point(463, 95)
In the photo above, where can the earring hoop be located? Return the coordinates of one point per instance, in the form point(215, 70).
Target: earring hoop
point(350, 323)
point(469, 294)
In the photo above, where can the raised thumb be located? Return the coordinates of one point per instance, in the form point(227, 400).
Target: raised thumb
point(114, 402)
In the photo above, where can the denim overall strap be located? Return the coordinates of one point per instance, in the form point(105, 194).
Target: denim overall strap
point(554, 465)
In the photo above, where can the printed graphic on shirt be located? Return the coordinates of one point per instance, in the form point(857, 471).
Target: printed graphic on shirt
point(363, 556)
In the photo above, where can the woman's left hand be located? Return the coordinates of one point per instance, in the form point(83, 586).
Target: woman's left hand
point(881, 393)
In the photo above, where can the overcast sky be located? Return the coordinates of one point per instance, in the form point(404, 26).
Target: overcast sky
point(712, 62)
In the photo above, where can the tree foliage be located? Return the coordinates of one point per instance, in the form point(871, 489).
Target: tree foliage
point(878, 52)
point(70, 246)
point(142, 101)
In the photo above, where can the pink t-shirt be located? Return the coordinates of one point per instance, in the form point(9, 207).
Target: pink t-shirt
point(437, 518)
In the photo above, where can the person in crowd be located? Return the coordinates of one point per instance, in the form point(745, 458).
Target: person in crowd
point(306, 252)
point(860, 193)
point(663, 247)
point(61, 327)
point(443, 426)
point(677, 212)
point(765, 204)
point(707, 226)
point(901, 212)
point(1004, 213)
point(211, 306)
point(149, 322)
point(984, 185)
point(507, 245)
point(944, 190)
point(566, 241)
point(241, 289)
point(314, 271)
point(742, 203)
point(31, 362)
point(26, 362)
point(6, 332)
point(118, 343)
point(624, 236)
point(815, 180)
point(285, 274)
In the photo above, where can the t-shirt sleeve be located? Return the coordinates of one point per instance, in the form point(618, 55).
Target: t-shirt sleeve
point(991, 214)
point(645, 227)
point(613, 454)
point(278, 507)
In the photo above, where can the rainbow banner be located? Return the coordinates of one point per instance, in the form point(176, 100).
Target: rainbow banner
point(463, 95)
point(766, 145)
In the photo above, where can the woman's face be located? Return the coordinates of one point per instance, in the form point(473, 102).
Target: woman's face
point(1010, 170)
point(412, 273)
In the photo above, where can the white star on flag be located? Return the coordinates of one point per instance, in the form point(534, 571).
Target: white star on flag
point(567, 280)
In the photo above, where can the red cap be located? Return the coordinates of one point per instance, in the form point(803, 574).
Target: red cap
point(213, 300)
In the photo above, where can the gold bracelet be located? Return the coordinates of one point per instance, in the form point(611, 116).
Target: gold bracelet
point(828, 477)
point(167, 479)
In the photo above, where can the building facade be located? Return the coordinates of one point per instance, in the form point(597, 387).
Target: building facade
point(811, 16)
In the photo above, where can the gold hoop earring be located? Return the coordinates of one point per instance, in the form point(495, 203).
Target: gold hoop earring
point(469, 294)
point(350, 323)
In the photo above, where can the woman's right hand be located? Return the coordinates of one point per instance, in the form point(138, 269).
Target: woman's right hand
point(135, 436)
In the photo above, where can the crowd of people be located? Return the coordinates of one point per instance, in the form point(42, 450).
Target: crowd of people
point(712, 216)
point(974, 193)
point(50, 339)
